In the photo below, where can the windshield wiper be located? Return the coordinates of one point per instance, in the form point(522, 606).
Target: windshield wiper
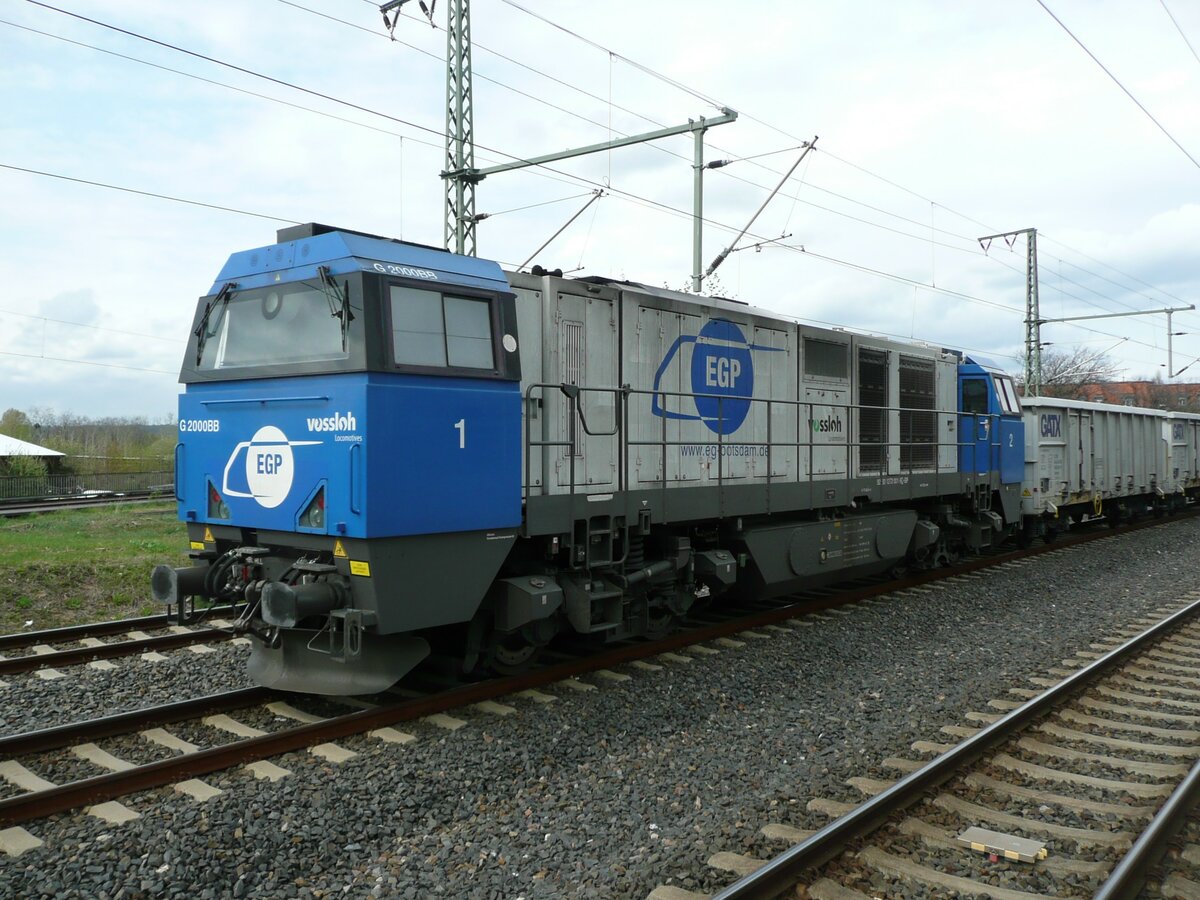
point(339, 302)
point(201, 332)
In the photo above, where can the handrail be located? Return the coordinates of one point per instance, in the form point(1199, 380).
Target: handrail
point(237, 401)
point(924, 456)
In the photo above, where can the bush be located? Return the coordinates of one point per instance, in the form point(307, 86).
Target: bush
point(23, 466)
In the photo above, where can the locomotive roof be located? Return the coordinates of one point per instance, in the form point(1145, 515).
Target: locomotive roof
point(306, 247)
point(983, 362)
point(734, 306)
point(741, 307)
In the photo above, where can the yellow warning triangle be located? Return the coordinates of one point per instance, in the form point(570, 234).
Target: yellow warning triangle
point(338, 549)
point(208, 536)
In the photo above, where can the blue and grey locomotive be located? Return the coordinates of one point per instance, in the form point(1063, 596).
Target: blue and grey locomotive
point(388, 450)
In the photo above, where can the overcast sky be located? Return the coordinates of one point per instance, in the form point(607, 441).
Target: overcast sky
point(938, 123)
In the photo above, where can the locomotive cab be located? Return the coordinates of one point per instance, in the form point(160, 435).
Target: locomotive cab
point(991, 441)
point(991, 432)
point(329, 379)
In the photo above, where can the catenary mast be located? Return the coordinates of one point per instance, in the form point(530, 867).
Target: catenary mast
point(460, 132)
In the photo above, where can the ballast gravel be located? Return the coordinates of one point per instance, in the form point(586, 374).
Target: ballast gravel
point(604, 793)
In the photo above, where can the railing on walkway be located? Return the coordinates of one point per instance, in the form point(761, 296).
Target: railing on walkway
point(916, 450)
point(37, 487)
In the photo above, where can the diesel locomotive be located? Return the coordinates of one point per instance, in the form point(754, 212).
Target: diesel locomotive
point(388, 450)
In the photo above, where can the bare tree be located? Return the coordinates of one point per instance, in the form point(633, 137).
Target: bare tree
point(1068, 373)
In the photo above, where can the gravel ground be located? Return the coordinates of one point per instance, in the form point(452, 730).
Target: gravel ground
point(599, 794)
point(30, 702)
point(1185, 864)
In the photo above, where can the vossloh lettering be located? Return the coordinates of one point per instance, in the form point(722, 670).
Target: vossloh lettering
point(828, 425)
point(336, 422)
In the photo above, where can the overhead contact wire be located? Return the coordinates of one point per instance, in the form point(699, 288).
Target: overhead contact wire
point(1118, 83)
point(434, 131)
point(157, 196)
point(812, 186)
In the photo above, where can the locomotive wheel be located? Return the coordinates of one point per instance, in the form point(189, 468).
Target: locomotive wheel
point(660, 623)
point(513, 654)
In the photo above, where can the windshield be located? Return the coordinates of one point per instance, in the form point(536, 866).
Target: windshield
point(272, 326)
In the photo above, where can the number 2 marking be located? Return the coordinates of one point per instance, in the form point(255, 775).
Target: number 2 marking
point(461, 425)
point(1011, 438)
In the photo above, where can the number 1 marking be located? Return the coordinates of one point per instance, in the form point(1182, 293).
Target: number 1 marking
point(461, 425)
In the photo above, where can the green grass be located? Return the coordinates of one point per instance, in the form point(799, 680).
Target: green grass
point(85, 565)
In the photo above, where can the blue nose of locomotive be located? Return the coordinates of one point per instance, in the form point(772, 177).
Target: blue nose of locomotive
point(280, 454)
point(357, 455)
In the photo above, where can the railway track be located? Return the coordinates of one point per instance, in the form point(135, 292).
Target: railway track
point(26, 506)
point(42, 797)
point(47, 650)
point(197, 761)
point(132, 762)
point(1075, 792)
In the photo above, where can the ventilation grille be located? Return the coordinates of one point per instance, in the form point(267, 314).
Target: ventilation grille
point(824, 359)
point(918, 430)
point(872, 423)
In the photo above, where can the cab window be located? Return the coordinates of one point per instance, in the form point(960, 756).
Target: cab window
point(285, 325)
point(430, 329)
point(1007, 394)
point(975, 396)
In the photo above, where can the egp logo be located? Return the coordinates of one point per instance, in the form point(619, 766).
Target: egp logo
point(269, 467)
point(722, 376)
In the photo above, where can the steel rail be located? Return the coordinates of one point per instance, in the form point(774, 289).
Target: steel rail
point(782, 872)
point(776, 614)
point(126, 722)
point(76, 656)
point(106, 787)
point(95, 629)
point(27, 506)
point(1126, 881)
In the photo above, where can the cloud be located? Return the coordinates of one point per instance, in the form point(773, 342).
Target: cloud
point(77, 306)
point(980, 122)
